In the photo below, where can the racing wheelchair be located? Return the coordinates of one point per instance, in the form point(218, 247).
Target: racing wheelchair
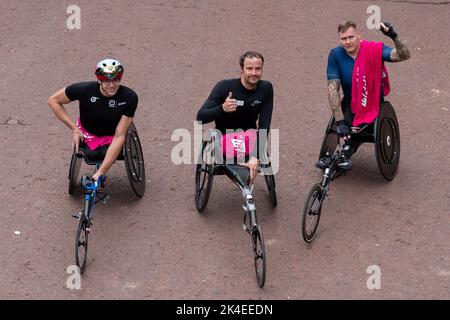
point(383, 132)
point(208, 166)
point(131, 154)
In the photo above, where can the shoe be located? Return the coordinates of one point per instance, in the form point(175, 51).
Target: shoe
point(345, 165)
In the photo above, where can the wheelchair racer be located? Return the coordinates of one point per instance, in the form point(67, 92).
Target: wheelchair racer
point(106, 110)
point(242, 102)
point(358, 65)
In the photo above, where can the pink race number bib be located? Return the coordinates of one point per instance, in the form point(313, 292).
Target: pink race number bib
point(239, 144)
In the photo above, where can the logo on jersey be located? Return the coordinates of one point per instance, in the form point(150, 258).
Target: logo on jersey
point(122, 103)
point(93, 99)
point(238, 145)
point(256, 102)
point(112, 103)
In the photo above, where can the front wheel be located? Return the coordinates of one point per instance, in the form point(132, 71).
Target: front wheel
point(259, 254)
point(311, 213)
point(81, 242)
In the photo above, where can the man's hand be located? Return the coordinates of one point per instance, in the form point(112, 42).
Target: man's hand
point(77, 136)
point(230, 104)
point(343, 130)
point(99, 173)
point(388, 30)
point(253, 165)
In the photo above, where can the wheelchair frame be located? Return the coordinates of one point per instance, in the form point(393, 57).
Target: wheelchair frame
point(385, 136)
point(206, 168)
point(132, 156)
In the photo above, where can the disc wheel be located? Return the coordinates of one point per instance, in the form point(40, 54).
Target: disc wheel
point(134, 161)
point(311, 213)
point(74, 171)
point(387, 144)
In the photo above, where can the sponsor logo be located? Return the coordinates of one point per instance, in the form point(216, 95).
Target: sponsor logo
point(256, 102)
point(238, 145)
point(112, 103)
point(122, 103)
point(93, 99)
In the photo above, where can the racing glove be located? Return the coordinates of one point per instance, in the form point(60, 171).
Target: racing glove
point(343, 129)
point(390, 33)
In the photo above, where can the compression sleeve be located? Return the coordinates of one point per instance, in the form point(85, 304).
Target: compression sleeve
point(265, 116)
point(265, 119)
point(212, 108)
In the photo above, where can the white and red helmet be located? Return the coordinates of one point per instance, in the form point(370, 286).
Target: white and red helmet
point(109, 69)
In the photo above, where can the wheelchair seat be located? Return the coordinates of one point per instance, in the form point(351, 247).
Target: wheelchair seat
point(238, 173)
point(209, 165)
point(131, 154)
point(91, 157)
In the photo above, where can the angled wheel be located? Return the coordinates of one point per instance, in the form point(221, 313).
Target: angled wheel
point(266, 169)
point(134, 161)
point(74, 171)
point(330, 140)
point(270, 182)
point(203, 178)
point(311, 213)
point(81, 242)
point(387, 141)
point(259, 255)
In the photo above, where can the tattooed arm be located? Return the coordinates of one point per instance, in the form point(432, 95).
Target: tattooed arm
point(400, 52)
point(334, 98)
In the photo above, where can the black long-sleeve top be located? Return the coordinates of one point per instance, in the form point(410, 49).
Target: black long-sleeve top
point(254, 106)
point(257, 103)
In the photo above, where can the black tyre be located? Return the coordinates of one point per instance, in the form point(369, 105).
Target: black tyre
point(259, 255)
point(387, 141)
point(330, 140)
point(134, 161)
point(270, 182)
point(81, 242)
point(74, 171)
point(311, 213)
point(203, 180)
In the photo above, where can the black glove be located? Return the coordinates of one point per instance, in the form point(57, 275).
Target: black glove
point(343, 129)
point(390, 33)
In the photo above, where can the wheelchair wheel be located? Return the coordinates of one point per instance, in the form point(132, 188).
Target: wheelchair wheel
point(387, 141)
point(74, 171)
point(330, 140)
point(270, 182)
point(259, 254)
point(203, 179)
point(81, 243)
point(134, 161)
point(311, 213)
